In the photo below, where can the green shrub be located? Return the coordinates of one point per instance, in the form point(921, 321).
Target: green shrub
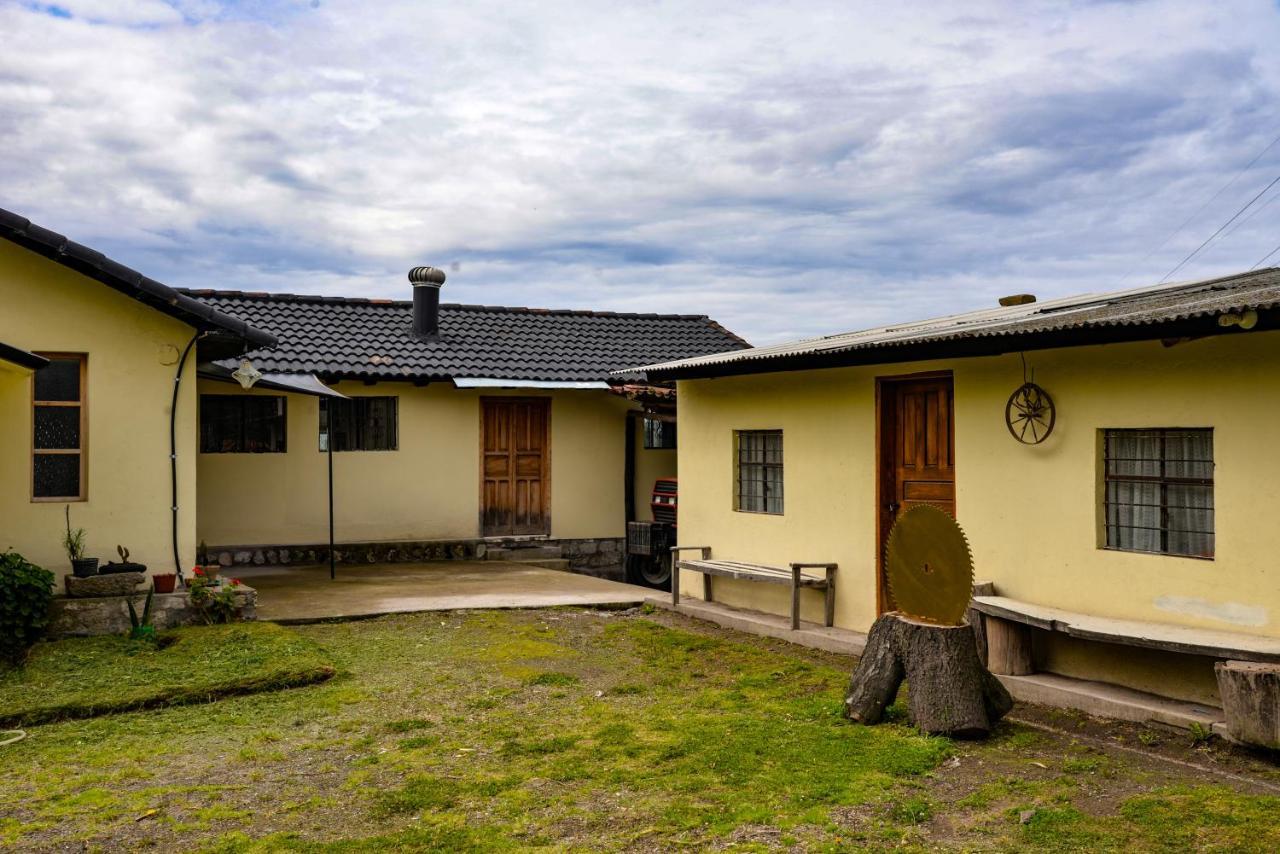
point(25, 592)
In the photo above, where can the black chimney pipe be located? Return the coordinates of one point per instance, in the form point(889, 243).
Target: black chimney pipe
point(426, 300)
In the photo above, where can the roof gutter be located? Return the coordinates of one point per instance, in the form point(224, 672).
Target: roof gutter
point(21, 358)
point(95, 265)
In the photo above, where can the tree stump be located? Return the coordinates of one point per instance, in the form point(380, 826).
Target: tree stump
point(951, 692)
point(1251, 700)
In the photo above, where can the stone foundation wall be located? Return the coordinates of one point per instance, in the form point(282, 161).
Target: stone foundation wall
point(602, 557)
point(109, 615)
point(348, 553)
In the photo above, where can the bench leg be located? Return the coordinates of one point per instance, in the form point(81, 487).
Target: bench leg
point(795, 598)
point(831, 598)
point(1008, 647)
point(706, 588)
point(675, 584)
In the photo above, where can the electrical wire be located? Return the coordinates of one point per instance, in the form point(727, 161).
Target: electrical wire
point(1202, 208)
point(1233, 218)
point(1265, 258)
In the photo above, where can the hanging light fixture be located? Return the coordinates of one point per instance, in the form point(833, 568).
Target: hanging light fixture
point(246, 374)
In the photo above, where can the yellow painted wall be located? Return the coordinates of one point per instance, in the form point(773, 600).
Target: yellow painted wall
point(1030, 512)
point(427, 489)
point(133, 352)
point(651, 464)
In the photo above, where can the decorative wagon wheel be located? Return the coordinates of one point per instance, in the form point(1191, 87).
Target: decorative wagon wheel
point(1030, 414)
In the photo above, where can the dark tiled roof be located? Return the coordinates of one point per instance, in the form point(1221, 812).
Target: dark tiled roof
point(373, 339)
point(92, 263)
point(1137, 314)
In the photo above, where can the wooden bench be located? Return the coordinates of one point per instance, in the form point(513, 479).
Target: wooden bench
point(1008, 624)
point(793, 577)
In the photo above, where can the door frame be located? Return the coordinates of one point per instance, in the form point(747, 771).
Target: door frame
point(885, 473)
point(546, 464)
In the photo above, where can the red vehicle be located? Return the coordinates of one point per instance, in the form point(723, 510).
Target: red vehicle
point(649, 543)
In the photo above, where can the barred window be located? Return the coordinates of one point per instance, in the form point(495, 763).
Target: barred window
point(1159, 491)
point(659, 435)
point(759, 471)
point(242, 424)
point(359, 424)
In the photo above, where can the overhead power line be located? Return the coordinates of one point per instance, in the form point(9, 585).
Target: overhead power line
point(1199, 248)
point(1265, 258)
point(1202, 208)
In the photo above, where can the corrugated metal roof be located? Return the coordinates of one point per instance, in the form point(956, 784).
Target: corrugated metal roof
point(1151, 305)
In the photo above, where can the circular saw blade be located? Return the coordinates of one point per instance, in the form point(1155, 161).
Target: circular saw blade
point(929, 566)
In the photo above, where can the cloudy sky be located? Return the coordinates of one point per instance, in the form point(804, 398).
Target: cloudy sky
point(789, 169)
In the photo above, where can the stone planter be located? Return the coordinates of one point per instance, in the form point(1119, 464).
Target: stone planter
point(110, 615)
point(116, 584)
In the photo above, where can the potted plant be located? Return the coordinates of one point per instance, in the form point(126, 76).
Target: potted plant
point(124, 565)
point(73, 543)
point(208, 568)
point(164, 582)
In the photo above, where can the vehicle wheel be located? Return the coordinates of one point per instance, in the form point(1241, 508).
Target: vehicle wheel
point(648, 571)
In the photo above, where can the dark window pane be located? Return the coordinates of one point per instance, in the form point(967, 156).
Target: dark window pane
point(760, 471)
point(659, 435)
point(57, 475)
point(57, 427)
point(359, 424)
point(59, 380)
point(264, 425)
point(242, 424)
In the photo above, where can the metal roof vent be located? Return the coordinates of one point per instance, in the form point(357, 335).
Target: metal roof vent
point(426, 283)
point(1012, 299)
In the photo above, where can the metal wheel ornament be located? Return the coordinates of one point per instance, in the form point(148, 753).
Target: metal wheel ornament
point(1030, 414)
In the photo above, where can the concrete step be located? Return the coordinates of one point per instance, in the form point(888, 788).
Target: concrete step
point(1109, 701)
point(523, 553)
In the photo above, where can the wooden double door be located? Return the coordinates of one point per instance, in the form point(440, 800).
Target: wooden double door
point(917, 453)
point(515, 471)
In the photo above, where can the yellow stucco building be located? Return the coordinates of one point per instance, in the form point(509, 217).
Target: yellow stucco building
point(1142, 520)
point(436, 428)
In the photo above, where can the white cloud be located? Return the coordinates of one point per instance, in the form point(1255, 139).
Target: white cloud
point(790, 171)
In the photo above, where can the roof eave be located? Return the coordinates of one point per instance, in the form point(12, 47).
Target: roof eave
point(967, 347)
point(93, 264)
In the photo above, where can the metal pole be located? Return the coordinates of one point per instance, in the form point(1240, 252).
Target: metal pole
point(333, 568)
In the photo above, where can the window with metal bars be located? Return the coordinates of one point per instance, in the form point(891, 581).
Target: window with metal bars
point(359, 424)
point(243, 424)
point(659, 435)
point(759, 471)
point(1159, 491)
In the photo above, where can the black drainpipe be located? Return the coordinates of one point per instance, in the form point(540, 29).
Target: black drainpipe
point(173, 451)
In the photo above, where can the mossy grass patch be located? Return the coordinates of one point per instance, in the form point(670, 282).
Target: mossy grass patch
point(87, 677)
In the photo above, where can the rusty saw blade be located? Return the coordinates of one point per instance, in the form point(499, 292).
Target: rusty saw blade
point(929, 566)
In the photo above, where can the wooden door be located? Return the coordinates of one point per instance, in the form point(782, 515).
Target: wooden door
point(917, 453)
point(515, 474)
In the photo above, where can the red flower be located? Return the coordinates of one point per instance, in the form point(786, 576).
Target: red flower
point(235, 582)
point(197, 571)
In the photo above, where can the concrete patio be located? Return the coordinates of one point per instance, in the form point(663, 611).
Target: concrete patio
point(299, 594)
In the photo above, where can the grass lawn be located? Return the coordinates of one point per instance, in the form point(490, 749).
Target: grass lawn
point(573, 730)
point(84, 677)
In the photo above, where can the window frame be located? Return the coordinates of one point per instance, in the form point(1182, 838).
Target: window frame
point(738, 464)
point(83, 450)
point(1164, 482)
point(668, 428)
point(324, 428)
point(281, 399)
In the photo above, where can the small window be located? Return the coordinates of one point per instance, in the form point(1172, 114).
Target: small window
point(1159, 491)
point(659, 435)
point(58, 430)
point(359, 424)
point(242, 424)
point(759, 461)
